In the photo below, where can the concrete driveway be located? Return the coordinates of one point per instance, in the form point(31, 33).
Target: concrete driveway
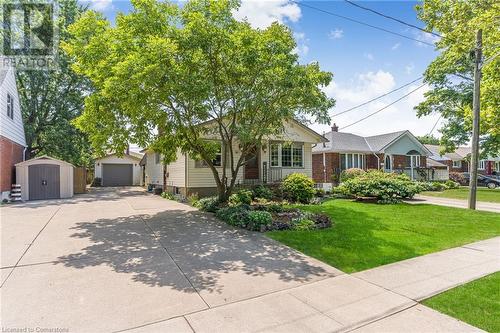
point(117, 259)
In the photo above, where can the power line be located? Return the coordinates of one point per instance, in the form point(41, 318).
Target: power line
point(392, 18)
point(378, 97)
point(360, 22)
point(435, 124)
point(382, 109)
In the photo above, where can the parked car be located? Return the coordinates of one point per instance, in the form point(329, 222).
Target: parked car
point(488, 181)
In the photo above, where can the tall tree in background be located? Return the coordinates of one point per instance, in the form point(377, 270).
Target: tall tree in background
point(450, 75)
point(50, 100)
point(192, 73)
point(428, 139)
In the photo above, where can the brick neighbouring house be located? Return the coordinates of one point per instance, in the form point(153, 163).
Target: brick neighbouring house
point(392, 152)
point(458, 160)
point(12, 138)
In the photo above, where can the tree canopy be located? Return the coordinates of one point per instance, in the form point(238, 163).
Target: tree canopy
point(171, 77)
point(50, 100)
point(428, 139)
point(450, 75)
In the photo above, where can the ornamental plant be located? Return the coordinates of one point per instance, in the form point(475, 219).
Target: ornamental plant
point(351, 173)
point(385, 187)
point(298, 187)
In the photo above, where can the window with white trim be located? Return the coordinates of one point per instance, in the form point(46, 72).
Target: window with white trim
point(348, 161)
point(286, 155)
point(482, 165)
point(217, 161)
point(10, 106)
point(457, 164)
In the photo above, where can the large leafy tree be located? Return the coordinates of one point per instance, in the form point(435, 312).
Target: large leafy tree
point(450, 75)
point(171, 77)
point(50, 100)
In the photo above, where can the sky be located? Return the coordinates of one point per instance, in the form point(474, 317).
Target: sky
point(365, 62)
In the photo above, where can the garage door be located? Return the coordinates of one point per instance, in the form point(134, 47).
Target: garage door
point(117, 174)
point(44, 181)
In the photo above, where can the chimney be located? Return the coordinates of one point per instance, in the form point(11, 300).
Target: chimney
point(335, 128)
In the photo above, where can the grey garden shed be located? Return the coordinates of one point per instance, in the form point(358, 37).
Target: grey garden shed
point(44, 178)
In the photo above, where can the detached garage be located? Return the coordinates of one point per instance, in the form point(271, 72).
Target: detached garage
point(44, 178)
point(119, 171)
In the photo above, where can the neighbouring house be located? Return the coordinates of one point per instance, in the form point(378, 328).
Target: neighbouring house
point(277, 157)
point(44, 178)
point(459, 160)
point(152, 174)
point(392, 152)
point(12, 138)
point(119, 171)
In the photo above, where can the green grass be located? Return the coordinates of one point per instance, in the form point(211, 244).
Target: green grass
point(476, 303)
point(368, 235)
point(483, 194)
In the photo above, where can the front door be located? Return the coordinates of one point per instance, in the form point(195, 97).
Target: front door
point(252, 165)
point(44, 181)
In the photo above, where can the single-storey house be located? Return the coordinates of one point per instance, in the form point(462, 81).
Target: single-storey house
point(393, 152)
point(12, 138)
point(119, 171)
point(279, 156)
point(152, 169)
point(459, 160)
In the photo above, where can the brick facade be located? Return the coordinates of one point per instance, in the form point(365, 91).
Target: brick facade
point(332, 165)
point(10, 154)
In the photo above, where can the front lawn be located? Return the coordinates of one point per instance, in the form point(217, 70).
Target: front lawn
point(483, 194)
point(476, 303)
point(368, 235)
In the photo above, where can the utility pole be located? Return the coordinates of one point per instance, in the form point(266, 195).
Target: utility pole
point(475, 120)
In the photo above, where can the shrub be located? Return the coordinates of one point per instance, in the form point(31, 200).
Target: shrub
point(208, 204)
point(259, 220)
point(234, 215)
point(263, 192)
point(451, 184)
point(320, 192)
point(322, 221)
point(304, 224)
point(385, 187)
point(459, 178)
point(298, 188)
point(167, 195)
point(193, 199)
point(351, 173)
point(242, 197)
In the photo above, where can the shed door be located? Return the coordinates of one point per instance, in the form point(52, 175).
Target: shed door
point(44, 181)
point(117, 174)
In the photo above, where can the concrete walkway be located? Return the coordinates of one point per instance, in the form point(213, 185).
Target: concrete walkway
point(122, 260)
point(480, 205)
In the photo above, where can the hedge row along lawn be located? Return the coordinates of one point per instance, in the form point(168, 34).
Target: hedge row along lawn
point(483, 194)
point(367, 235)
point(476, 303)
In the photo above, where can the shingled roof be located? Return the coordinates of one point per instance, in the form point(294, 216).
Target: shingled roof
point(348, 142)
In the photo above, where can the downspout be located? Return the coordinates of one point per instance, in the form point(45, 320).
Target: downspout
point(378, 161)
point(24, 153)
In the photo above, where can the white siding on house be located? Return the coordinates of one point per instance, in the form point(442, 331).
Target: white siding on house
point(177, 171)
point(113, 159)
point(307, 169)
point(12, 129)
point(203, 177)
point(154, 171)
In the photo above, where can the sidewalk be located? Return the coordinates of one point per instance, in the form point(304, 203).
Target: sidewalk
point(481, 205)
point(382, 299)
